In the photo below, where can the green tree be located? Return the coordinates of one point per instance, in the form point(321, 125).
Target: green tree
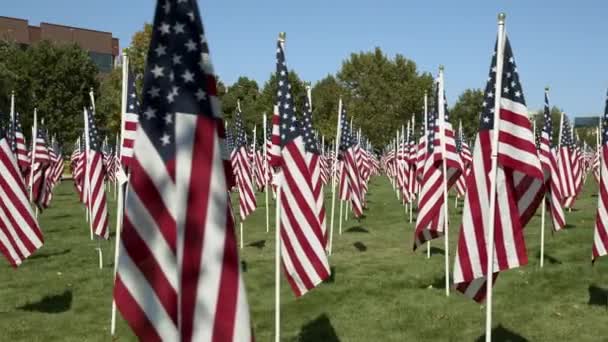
point(556, 115)
point(466, 110)
point(109, 102)
point(325, 97)
point(138, 50)
point(382, 93)
point(247, 92)
point(56, 80)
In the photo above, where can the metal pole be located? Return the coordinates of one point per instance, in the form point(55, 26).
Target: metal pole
point(446, 224)
point(333, 182)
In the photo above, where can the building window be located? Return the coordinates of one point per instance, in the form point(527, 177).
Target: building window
point(103, 61)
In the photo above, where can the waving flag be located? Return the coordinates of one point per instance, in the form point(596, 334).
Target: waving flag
point(130, 119)
point(95, 173)
point(429, 223)
point(18, 145)
point(302, 247)
point(350, 172)
point(42, 161)
point(548, 160)
point(20, 235)
point(600, 235)
point(565, 165)
point(179, 276)
point(313, 158)
point(519, 187)
point(243, 170)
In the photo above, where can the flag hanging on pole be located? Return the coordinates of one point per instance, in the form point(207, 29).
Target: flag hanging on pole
point(350, 171)
point(18, 145)
point(243, 171)
point(519, 189)
point(130, 119)
point(179, 276)
point(95, 173)
point(20, 235)
point(548, 160)
point(302, 248)
point(600, 235)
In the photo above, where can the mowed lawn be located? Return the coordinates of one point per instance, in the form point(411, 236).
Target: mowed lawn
point(380, 290)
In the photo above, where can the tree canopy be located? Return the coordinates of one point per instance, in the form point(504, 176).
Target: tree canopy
point(55, 79)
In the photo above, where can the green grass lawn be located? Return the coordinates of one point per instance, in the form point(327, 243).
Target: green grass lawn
point(381, 290)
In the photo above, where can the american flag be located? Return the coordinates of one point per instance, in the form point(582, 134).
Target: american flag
point(577, 171)
point(20, 235)
point(302, 248)
point(600, 235)
point(39, 174)
point(130, 119)
point(548, 160)
point(429, 222)
point(519, 185)
point(565, 158)
point(243, 170)
point(95, 174)
point(18, 145)
point(350, 172)
point(313, 158)
point(179, 276)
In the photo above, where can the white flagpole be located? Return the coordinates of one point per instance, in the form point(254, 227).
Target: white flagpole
point(543, 209)
point(446, 223)
point(426, 122)
point(277, 309)
point(412, 175)
point(404, 138)
point(267, 170)
point(238, 106)
point(397, 149)
point(13, 111)
point(493, 174)
point(33, 154)
point(348, 206)
point(121, 187)
point(333, 180)
point(463, 171)
point(92, 95)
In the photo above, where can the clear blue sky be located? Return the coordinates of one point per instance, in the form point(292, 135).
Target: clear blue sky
point(557, 43)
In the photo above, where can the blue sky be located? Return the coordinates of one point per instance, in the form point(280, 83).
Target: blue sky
point(557, 43)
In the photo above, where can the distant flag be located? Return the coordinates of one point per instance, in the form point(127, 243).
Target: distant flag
point(95, 173)
point(41, 162)
point(350, 172)
point(600, 235)
point(519, 187)
point(243, 170)
point(548, 159)
point(313, 158)
point(302, 248)
point(566, 155)
point(179, 276)
point(18, 145)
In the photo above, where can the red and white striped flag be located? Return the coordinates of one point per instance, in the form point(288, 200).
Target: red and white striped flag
point(548, 160)
point(519, 184)
point(565, 159)
point(20, 235)
point(179, 276)
point(302, 247)
point(430, 219)
point(350, 171)
point(39, 175)
point(600, 235)
point(130, 119)
point(95, 177)
point(244, 170)
point(18, 145)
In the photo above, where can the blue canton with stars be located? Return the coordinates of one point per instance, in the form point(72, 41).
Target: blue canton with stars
point(94, 141)
point(511, 86)
point(14, 128)
point(346, 140)
point(239, 130)
point(289, 127)
point(179, 76)
point(310, 141)
point(566, 133)
point(548, 125)
point(133, 105)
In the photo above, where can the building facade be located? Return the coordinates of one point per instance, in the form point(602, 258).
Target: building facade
point(101, 46)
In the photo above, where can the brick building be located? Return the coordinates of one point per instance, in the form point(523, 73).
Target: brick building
point(101, 46)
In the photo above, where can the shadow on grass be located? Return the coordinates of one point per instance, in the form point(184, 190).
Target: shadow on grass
point(436, 250)
point(549, 258)
point(360, 246)
point(357, 229)
point(319, 329)
point(257, 244)
point(598, 296)
point(332, 276)
point(60, 230)
point(502, 334)
point(569, 226)
point(49, 255)
point(51, 304)
point(244, 266)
